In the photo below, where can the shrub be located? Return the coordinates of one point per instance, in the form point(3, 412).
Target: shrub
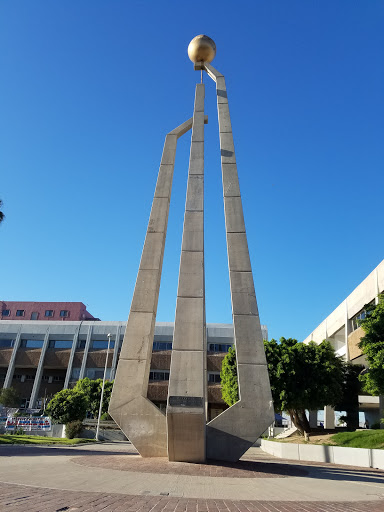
point(67, 405)
point(73, 429)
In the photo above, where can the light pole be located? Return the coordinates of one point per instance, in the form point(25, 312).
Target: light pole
point(102, 388)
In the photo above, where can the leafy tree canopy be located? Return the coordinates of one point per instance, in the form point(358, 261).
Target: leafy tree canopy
point(303, 376)
point(67, 405)
point(372, 345)
point(228, 375)
point(9, 397)
point(92, 391)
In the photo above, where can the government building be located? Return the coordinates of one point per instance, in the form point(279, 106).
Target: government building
point(48, 346)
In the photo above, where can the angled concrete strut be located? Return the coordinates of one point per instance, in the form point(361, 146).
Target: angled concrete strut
point(230, 434)
point(140, 420)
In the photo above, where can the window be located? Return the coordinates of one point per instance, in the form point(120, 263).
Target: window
point(60, 344)
point(81, 345)
point(34, 315)
point(219, 347)
point(159, 375)
point(214, 377)
point(49, 312)
point(58, 378)
point(29, 377)
point(6, 343)
point(97, 373)
point(162, 345)
point(101, 344)
point(64, 313)
point(75, 373)
point(20, 312)
point(5, 312)
point(31, 343)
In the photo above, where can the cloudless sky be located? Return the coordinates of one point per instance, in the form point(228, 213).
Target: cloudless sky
point(89, 90)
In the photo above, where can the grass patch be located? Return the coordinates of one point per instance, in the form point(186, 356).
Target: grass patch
point(360, 439)
point(25, 439)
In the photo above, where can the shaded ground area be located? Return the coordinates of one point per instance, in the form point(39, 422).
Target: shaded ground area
point(241, 469)
point(14, 498)
point(359, 439)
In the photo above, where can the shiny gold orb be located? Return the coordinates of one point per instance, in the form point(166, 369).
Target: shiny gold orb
point(202, 48)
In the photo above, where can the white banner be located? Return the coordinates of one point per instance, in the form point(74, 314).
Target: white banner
point(28, 423)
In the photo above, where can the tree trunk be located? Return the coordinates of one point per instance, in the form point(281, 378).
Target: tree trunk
point(300, 421)
point(304, 419)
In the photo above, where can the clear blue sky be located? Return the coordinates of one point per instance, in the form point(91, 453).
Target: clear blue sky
point(88, 91)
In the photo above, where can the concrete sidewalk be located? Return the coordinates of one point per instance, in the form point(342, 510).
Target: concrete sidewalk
point(116, 470)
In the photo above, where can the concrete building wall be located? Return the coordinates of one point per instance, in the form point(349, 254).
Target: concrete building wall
point(340, 327)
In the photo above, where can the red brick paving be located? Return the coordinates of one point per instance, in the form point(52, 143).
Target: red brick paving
point(20, 498)
point(161, 465)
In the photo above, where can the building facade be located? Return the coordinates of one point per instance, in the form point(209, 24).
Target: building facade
point(341, 328)
point(44, 311)
point(41, 358)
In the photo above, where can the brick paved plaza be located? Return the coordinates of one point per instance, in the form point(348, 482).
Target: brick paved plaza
point(113, 477)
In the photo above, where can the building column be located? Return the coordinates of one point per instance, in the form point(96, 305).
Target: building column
point(115, 352)
point(381, 409)
point(329, 417)
point(377, 290)
point(39, 371)
point(85, 355)
point(11, 366)
point(346, 330)
point(71, 356)
point(313, 419)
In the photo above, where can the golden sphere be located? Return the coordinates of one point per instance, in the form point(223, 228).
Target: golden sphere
point(202, 48)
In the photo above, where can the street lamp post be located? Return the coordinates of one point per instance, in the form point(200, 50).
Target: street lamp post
point(102, 388)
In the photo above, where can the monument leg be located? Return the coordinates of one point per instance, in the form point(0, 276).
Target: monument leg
point(230, 434)
point(140, 420)
point(186, 418)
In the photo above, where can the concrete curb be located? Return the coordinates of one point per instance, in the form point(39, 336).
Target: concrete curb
point(360, 457)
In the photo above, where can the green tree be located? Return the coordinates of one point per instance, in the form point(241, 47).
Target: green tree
point(92, 391)
point(350, 398)
point(67, 405)
point(2, 216)
point(372, 345)
point(9, 397)
point(228, 375)
point(303, 377)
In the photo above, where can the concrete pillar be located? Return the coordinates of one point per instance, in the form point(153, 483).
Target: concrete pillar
point(313, 419)
point(377, 291)
point(115, 352)
point(39, 371)
point(329, 417)
point(381, 409)
point(140, 420)
point(71, 356)
point(230, 434)
point(186, 415)
point(86, 350)
point(11, 366)
point(347, 330)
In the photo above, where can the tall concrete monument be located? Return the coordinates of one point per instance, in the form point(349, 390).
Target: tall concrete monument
point(183, 433)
